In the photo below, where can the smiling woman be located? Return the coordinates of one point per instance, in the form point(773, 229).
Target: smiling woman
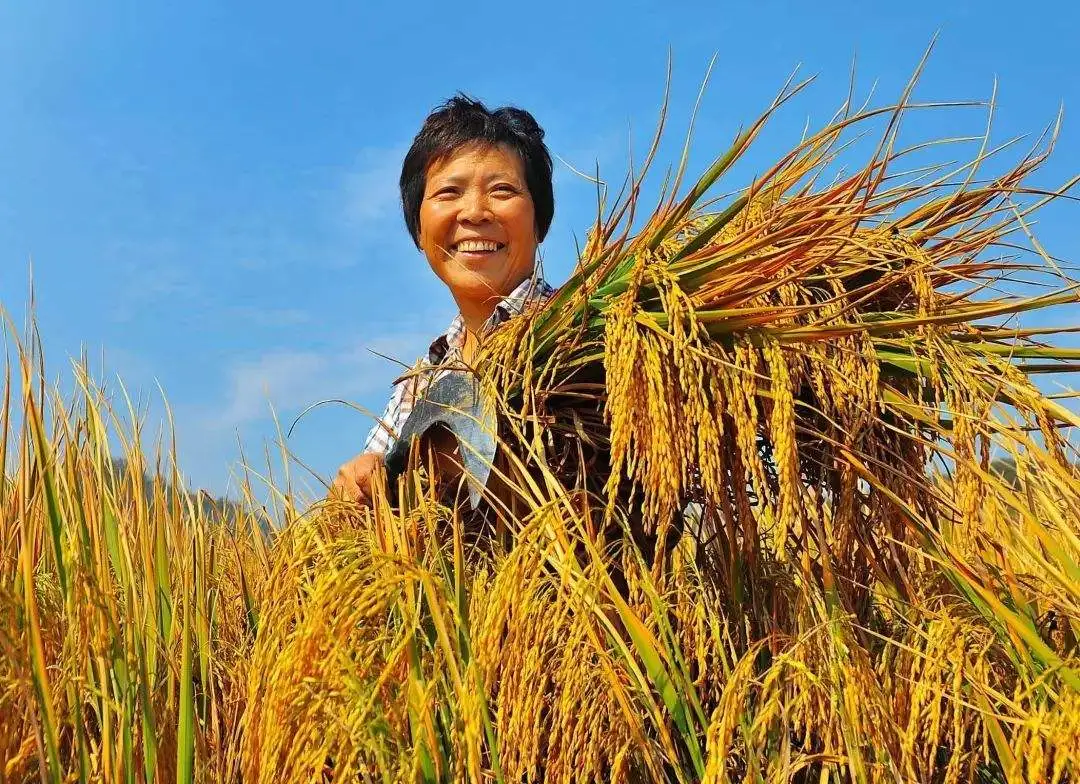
point(477, 199)
point(477, 228)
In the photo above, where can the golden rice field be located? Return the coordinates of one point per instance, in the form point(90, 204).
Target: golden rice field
point(749, 522)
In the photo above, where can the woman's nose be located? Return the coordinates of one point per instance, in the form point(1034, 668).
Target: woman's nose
point(474, 208)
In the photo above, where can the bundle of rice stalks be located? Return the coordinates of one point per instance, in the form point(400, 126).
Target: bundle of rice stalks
point(805, 365)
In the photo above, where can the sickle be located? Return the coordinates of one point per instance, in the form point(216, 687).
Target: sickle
point(455, 401)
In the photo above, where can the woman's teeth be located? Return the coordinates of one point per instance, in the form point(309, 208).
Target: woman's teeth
point(476, 246)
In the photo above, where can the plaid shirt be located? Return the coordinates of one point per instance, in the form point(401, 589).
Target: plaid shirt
point(444, 352)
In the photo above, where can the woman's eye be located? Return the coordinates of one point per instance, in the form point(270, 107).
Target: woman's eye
point(505, 189)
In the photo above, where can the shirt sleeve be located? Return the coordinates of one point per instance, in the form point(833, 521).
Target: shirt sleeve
point(385, 432)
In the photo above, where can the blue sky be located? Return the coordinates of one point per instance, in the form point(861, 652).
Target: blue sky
point(208, 190)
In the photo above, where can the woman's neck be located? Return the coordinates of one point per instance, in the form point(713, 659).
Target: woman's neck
point(475, 314)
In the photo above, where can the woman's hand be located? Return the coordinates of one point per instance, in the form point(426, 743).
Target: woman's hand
point(354, 478)
point(353, 482)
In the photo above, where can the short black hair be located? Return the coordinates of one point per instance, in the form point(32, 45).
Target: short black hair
point(463, 121)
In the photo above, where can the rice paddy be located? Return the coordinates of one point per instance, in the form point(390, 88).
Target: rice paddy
point(748, 522)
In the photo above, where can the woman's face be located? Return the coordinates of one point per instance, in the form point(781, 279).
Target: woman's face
point(477, 224)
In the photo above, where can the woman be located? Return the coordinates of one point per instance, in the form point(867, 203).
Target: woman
point(477, 197)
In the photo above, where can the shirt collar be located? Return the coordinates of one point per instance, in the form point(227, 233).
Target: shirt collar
point(530, 290)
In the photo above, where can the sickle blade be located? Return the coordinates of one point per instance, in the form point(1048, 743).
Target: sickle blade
point(455, 401)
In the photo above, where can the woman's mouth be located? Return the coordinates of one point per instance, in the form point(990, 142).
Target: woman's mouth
point(476, 249)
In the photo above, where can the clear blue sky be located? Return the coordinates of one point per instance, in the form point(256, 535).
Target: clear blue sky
point(207, 190)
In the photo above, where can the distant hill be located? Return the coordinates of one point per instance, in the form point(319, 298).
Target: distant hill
point(213, 507)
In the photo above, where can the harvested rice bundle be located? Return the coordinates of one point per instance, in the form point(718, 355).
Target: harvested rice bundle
point(798, 362)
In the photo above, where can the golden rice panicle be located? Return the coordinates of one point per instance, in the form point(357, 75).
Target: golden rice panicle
point(329, 664)
point(642, 405)
point(664, 392)
point(563, 711)
point(519, 644)
point(1046, 745)
point(817, 705)
point(784, 449)
point(723, 755)
point(936, 668)
point(741, 373)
